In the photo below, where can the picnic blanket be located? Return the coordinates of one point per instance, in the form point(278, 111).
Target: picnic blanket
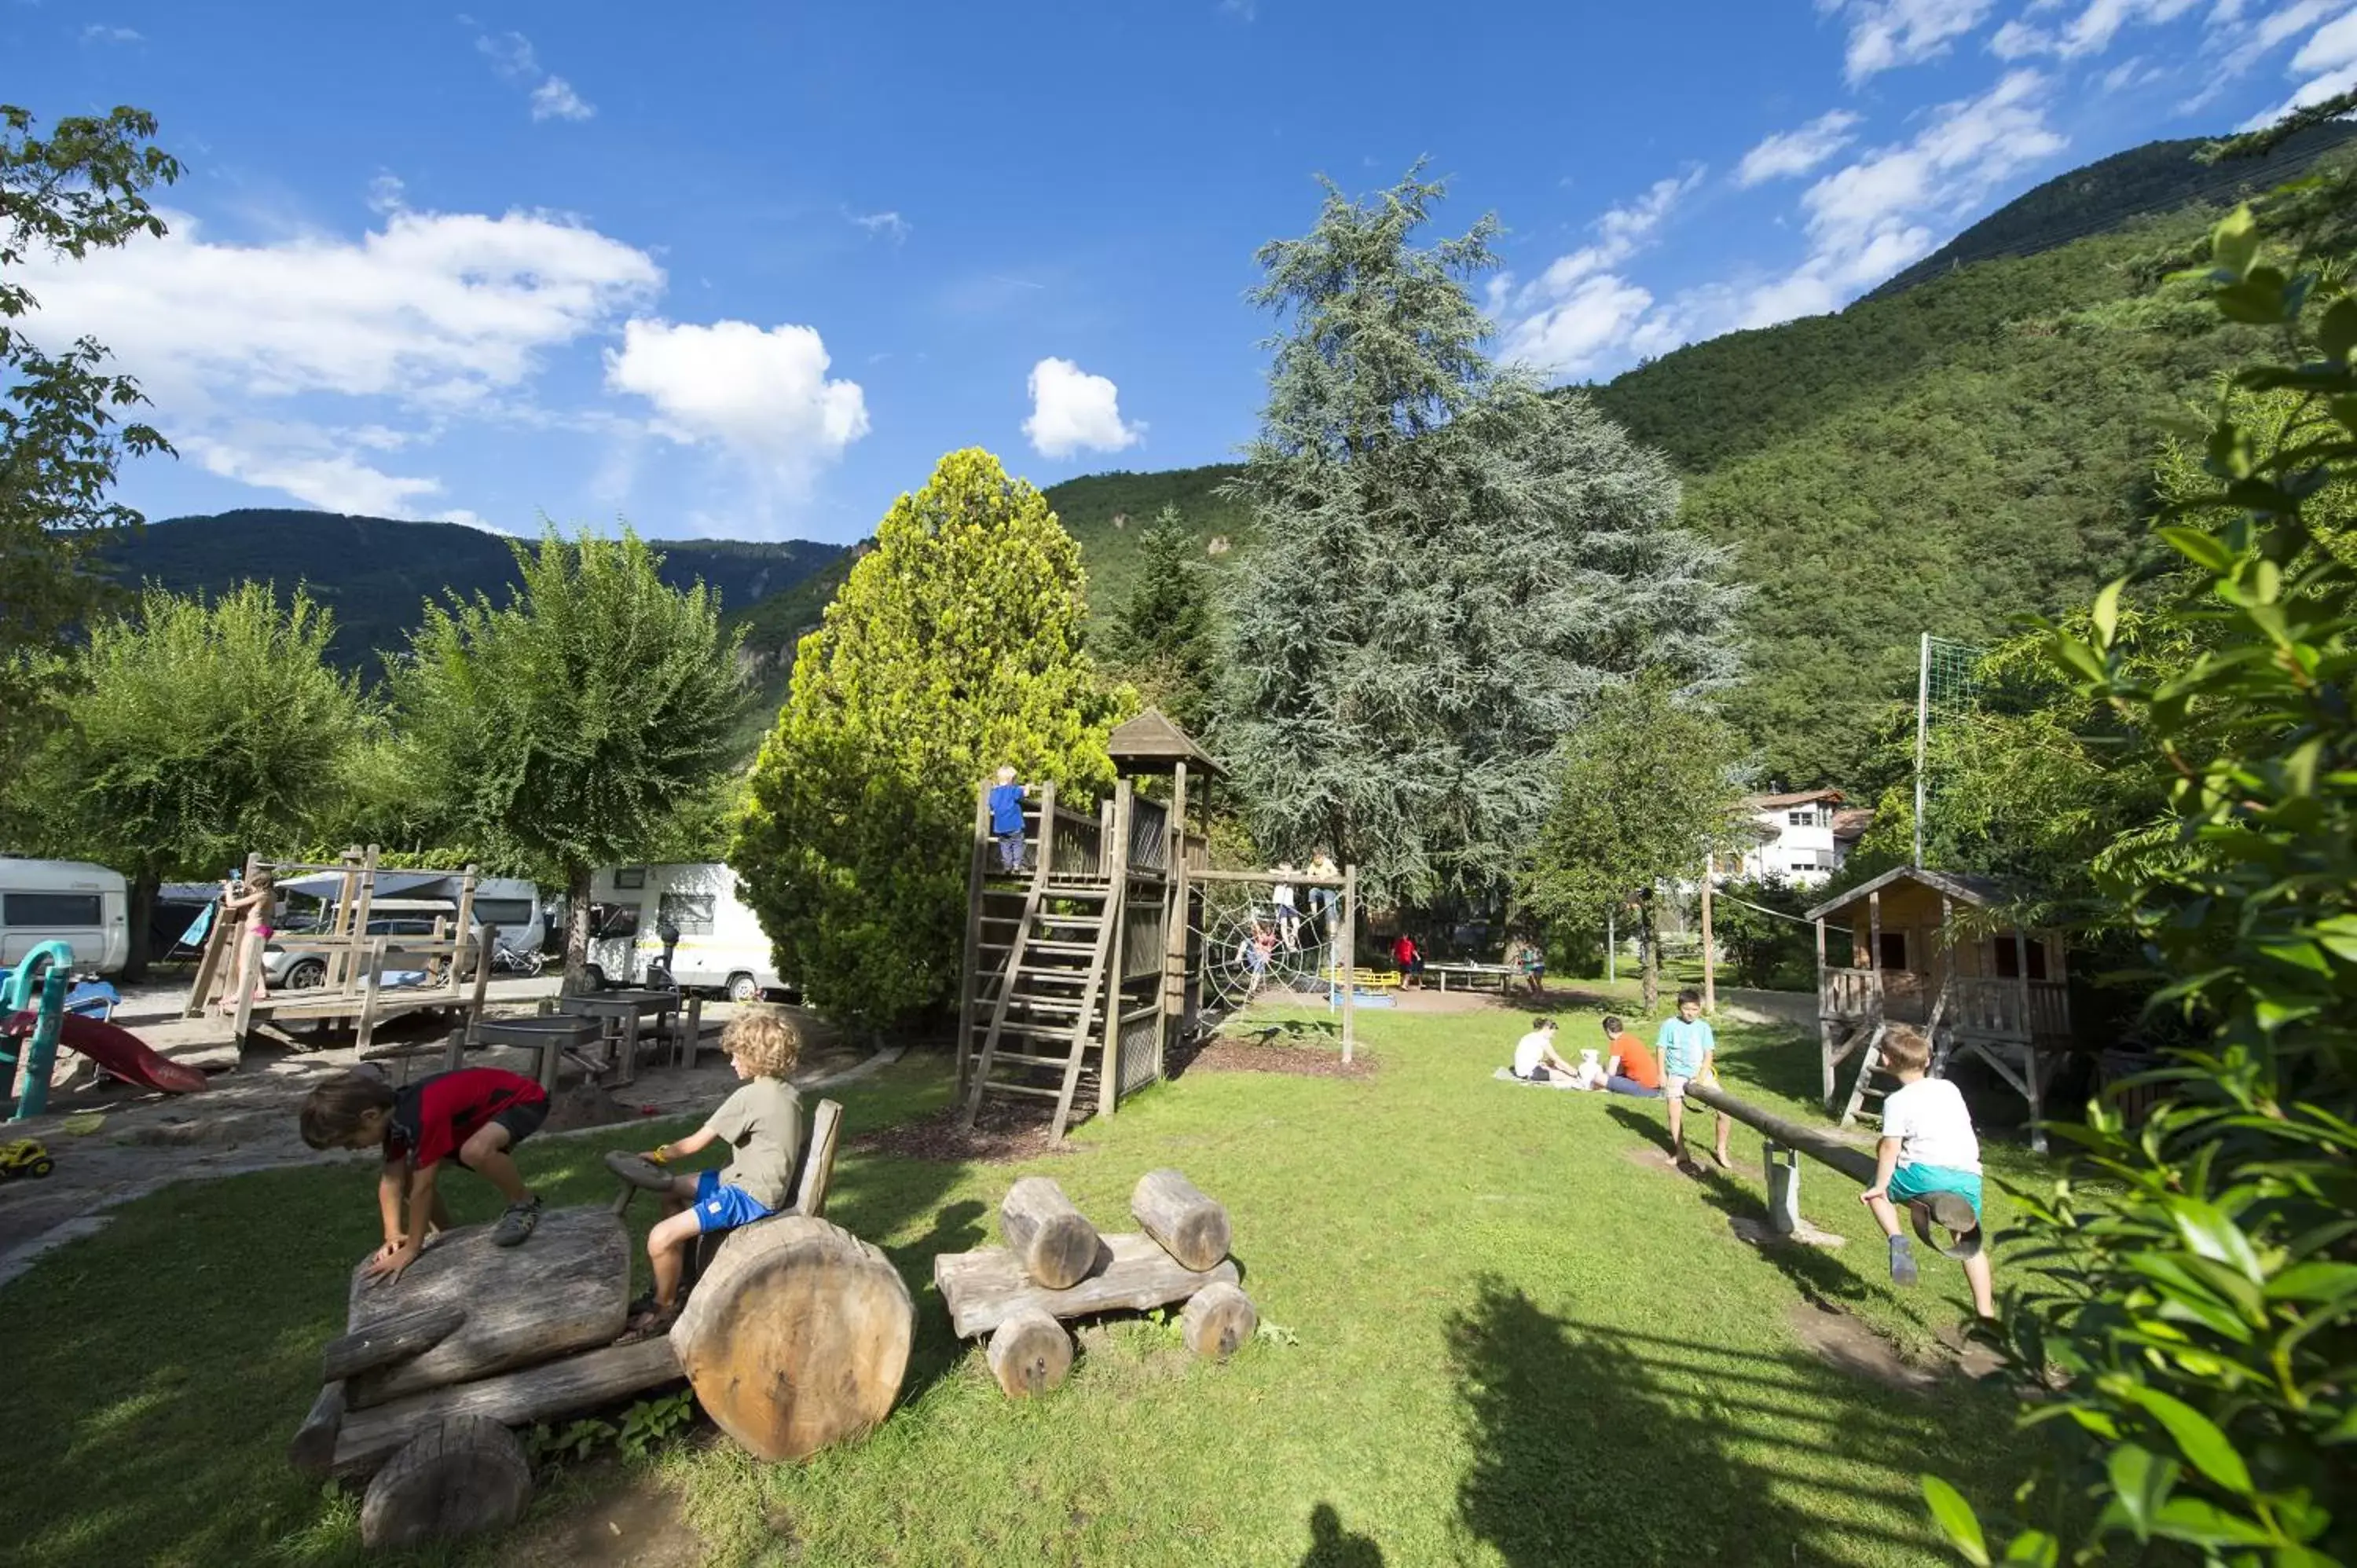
point(1506, 1074)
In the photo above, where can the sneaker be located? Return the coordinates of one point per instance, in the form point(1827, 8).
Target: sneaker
point(516, 1224)
point(1902, 1261)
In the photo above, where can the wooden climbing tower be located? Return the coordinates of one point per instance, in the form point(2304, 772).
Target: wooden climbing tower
point(1080, 967)
point(1916, 957)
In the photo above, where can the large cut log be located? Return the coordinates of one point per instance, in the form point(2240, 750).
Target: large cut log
point(1132, 1273)
point(313, 1451)
point(579, 1382)
point(566, 1289)
point(796, 1336)
point(1030, 1354)
point(1190, 1226)
point(1053, 1240)
point(467, 1475)
point(1219, 1319)
point(389, 1339)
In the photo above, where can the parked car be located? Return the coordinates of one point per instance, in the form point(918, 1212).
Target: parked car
point(296, 970)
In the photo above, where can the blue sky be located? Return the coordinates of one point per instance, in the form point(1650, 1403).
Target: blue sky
point(748, 269)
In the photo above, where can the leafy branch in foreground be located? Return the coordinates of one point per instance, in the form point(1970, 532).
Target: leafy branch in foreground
point(2186, 1321)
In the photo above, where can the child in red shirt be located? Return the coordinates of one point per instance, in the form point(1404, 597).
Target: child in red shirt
point(475, 1113)
point(1409, 957)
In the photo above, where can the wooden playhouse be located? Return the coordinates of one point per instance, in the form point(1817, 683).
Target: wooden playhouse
point(1934, 948)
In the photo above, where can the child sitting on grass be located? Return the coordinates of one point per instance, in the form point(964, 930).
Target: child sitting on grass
point(1928, 1146)
point(477, 1114)
point(1536, 1060)
point(763, 1121)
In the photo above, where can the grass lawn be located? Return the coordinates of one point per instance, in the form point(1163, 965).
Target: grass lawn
point(1514, 1341)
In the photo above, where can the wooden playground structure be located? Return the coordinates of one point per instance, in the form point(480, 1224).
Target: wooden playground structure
point(2001, 996)
point(353, 987)
point(1079, 972)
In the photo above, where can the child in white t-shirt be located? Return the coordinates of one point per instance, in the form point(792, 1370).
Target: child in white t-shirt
point(1535, 1058)
point(1928, 1146)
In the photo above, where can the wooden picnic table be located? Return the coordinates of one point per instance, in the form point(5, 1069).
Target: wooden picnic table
point(617, 1014)
point(555, 1036)
point(1471, 975)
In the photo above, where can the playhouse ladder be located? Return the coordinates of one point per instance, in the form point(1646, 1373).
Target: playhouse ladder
point(1051, 993)
point(1870, 1061)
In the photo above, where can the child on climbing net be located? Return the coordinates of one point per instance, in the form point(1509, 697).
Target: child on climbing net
point(763, 1121)
point(1928, 1146)
point(476, 1115)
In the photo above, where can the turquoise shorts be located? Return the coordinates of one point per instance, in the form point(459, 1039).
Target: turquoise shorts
point(1908, 1183)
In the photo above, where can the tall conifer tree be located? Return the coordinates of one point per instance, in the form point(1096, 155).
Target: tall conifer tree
point(1164, 637)
point(1452, 564)
point(954, 647)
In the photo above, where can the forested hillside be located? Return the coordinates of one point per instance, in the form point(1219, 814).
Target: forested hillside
point(377, 572)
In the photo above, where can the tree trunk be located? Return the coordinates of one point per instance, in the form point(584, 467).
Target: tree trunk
point(1218, 1320)
point(140, 912)
point(1649, 938)
point(1053, 1240)
point(1190, 1226)
point(576, 929)
point(1030, 1353)
point(468, 1474)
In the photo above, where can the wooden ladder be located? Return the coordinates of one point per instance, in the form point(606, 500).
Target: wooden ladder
point(1869, 1060)
point(1052, 991)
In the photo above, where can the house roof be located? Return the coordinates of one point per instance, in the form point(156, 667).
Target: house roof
point(1795, 798)
point(1152, 743)
point(1982, 892)
point(1853, 824)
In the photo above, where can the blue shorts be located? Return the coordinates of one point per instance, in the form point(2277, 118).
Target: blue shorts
point(719, 1208)
point(1908, 1183)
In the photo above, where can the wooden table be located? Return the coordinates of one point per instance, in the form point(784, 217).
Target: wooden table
point(554, 1038)
point(1472, 975)
point(618, 1013)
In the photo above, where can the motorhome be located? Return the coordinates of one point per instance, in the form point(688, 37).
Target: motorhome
point(721, 944)
point(71, 901)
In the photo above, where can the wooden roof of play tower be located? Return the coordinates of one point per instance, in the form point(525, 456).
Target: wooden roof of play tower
point(1152, 743)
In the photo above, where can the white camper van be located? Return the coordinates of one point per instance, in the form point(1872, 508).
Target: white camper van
point(721, 945)
point(70, 901)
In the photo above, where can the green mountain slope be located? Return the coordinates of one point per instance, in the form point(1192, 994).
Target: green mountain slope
point(377, 572)
point(1105, 511)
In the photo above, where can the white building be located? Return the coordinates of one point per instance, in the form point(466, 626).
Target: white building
point(1801, 838)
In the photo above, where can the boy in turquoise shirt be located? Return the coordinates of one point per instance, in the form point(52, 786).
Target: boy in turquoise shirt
point(1685, 1046)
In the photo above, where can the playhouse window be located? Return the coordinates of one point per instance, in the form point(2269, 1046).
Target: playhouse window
point(2008, 958)
point(1894, 950)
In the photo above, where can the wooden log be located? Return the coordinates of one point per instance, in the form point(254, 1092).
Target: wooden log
point(1053, 1240)
point(467, 1475)
point(1030, 1354)
point(585, 1381)
point(313, 1451)
point(566, 1289)
point(796, 1337)
point(1190, 1226)
point(394, 1337)
point(1219, 1319)
point(1132, 1273)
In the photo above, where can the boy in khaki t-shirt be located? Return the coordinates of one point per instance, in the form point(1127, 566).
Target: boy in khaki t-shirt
point(763, 1122)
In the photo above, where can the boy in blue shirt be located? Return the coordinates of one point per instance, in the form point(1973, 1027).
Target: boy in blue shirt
point(1006, 820)
point(1685, 1046)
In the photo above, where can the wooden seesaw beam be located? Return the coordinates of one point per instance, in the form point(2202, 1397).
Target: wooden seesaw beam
point(1783, 1141)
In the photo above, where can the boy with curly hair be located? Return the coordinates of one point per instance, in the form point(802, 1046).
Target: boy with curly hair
point(763, 1122)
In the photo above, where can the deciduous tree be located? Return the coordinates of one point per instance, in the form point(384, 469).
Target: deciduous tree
point(574, 725)
point(954, 647)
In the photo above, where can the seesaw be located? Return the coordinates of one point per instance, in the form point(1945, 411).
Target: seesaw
point(1785, 1142)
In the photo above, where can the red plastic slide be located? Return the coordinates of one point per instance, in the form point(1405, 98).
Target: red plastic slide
point(116, 1050)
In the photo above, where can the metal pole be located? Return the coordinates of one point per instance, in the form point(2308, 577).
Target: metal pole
point(1611, 949)
point(1709, 957)
point(1922, 734)
point(1348, 958)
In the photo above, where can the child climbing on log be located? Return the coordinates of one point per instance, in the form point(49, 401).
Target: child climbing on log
point(477, 1114)
point(1686, 1046)
point(1928, 1146)
point(763, 1121)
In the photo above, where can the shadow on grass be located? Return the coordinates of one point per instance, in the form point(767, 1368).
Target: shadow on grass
point(1782, 1059)
point(1694, 1452)
point(1330, 1546)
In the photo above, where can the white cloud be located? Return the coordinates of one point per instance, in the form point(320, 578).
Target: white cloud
point(2092, 31)
point(761, 395)
point(555, 100)
point(1885, 34)
point(1072, 410)
point(302, 460)
point(99, 33)
point(512, 56)
point(1790, 153)
point(2328, 62)
point(1579, 311)
point(387, 193)
point(890, 225)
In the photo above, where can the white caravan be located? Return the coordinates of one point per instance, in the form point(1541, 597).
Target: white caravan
point(70, 901)
point(721, 945)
